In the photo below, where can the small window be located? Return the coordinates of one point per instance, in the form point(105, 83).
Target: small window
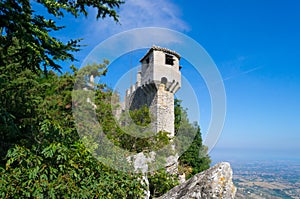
point(169, 60)
point(147, 60)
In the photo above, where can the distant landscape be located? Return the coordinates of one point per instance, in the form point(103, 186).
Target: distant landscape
point(263, 177)
point(267, 179)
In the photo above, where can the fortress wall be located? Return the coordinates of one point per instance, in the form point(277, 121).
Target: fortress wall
point(163, 108)
point(160, 103)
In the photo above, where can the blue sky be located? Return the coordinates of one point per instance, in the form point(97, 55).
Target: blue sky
point(256, 47)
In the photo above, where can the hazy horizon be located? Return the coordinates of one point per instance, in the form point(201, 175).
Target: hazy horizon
point(242, 155)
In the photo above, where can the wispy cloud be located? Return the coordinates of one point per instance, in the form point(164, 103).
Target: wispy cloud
point(138, 14)
point(240, 66)
point(162, 13)
point(242, 73)
point(133, 14)
point(236, 68)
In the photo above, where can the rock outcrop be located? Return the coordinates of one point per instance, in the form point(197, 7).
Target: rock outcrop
point(215, 182)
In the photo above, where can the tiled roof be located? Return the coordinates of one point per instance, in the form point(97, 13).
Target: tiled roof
point(157, 48)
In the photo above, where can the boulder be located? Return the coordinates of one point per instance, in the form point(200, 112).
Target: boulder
point(216, 182)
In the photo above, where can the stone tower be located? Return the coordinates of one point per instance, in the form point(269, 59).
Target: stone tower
point(157, 82)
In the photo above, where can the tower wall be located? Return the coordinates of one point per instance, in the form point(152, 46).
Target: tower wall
point(162, 107)
point(160, 103)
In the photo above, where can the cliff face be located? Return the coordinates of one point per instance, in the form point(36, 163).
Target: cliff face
point(215, 182)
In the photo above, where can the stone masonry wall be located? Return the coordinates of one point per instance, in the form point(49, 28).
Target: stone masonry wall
point(163, 109)
point(160, 103)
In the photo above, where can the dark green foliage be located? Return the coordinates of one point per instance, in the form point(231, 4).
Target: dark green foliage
point(137, 144)
point(46, 158)
point(61, 170)
point(177, 113)
point(136, 135)
point(195, 159)
point(20, 96)
point(104, 7)
point(25, 37)
point(161, 182)
point(41, 155)
point(141, 117)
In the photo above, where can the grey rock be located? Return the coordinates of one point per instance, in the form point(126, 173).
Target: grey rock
point(215, 182)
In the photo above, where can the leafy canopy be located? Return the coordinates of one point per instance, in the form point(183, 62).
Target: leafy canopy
point(25, 36)
point(46, 158)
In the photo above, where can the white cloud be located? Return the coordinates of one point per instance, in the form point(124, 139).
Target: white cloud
point(135, 39)
point(137, 14)
point(141, 13)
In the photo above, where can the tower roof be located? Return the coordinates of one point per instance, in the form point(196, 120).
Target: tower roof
point(157, 48)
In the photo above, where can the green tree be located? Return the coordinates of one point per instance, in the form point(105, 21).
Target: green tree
point(25, 36)
point(141, 116)
point(160, 182)
point(41, 153)
point(195, 159)
point(26, 46)
point(51, 161)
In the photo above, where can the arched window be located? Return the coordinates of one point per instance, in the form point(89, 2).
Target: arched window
point(164, 80)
